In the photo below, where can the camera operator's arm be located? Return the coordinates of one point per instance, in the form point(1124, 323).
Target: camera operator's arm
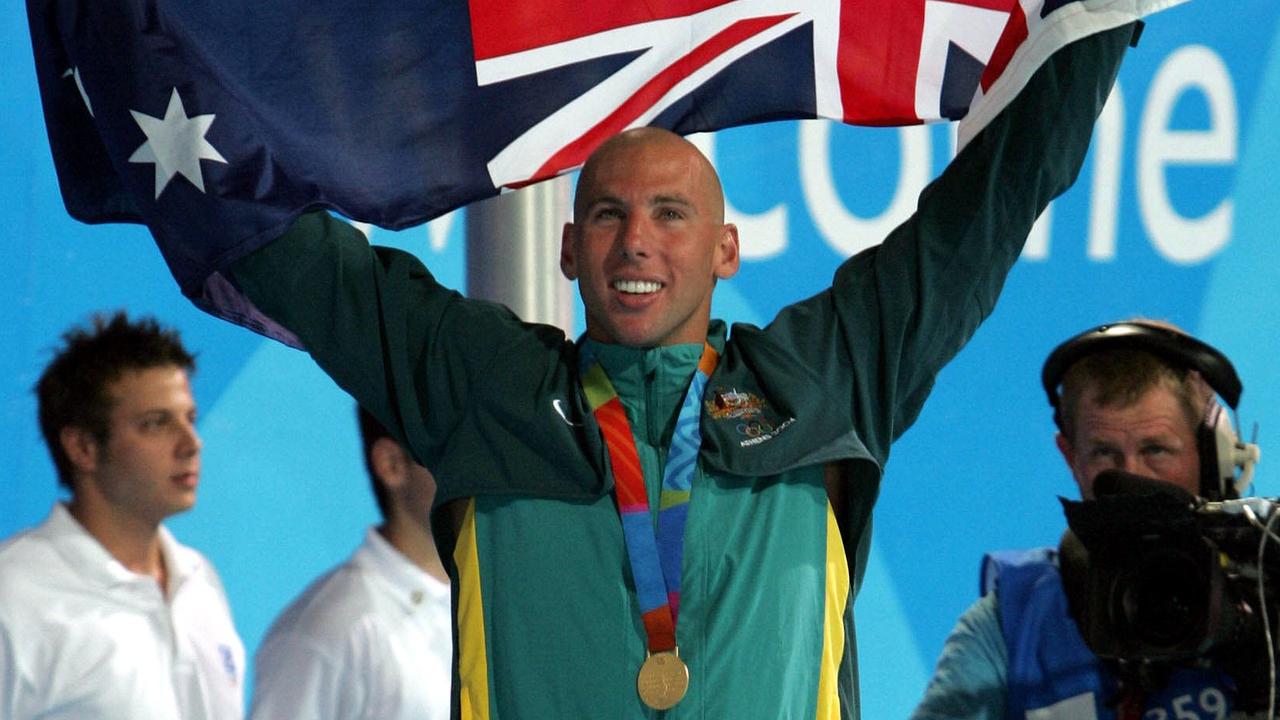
point(970, 681)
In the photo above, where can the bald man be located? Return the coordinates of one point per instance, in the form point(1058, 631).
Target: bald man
point(660, 520)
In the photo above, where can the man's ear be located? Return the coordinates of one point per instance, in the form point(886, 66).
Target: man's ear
point(728, 257)
point(81, 447)
point(389, 463)
point(1064, 447)
point(568, 256)
point(1069, 455)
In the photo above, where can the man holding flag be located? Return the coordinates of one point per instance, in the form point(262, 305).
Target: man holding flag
point(657, 516)
point(660, 520)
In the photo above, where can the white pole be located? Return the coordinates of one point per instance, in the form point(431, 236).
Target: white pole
point(513, 252)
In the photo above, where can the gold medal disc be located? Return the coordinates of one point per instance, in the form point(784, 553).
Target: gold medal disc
point(663, 680)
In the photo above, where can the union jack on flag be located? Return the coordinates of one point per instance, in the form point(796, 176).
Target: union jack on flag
point(217, 124)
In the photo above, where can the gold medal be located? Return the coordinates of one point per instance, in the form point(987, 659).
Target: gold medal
point(663, 679)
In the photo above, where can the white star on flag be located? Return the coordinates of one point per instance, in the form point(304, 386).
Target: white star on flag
point(74, 73)
point(175, 144)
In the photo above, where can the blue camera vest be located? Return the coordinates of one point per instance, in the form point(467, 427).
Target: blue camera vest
point(1053, 675)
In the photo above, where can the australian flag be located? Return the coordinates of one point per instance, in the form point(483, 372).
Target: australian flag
point(218, 123)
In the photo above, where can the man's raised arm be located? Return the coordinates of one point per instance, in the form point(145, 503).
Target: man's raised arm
point(897, 313)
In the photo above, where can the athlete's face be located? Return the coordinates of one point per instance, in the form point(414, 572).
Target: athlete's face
point(648, 241)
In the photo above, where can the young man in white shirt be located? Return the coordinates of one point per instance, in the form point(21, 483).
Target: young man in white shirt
point(371, 638)
point(102, 613)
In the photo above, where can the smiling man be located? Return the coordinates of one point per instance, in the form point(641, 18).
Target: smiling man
point(649, 241)
point(102, 613)
point(661, 519)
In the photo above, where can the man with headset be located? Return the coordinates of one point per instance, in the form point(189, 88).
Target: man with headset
point(1136, 397)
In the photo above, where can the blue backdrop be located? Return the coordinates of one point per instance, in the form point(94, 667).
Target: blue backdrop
point(1173, 218)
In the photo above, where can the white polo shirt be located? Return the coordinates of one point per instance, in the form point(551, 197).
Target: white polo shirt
point(83, 637)
point(369, 639)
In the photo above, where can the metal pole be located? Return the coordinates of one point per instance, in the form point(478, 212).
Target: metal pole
point(513, 252)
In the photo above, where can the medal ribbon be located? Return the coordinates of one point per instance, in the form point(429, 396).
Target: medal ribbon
point(656, 558)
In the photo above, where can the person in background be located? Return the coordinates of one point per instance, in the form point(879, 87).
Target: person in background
point(371, 638)
point(103, 614)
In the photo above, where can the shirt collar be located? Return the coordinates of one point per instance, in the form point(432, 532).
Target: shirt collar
point(411, 585)
point(83, 552)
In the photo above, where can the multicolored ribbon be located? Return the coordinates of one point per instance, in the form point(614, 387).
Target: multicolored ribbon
point(656, 558)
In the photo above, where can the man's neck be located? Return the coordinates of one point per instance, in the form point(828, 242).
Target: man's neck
point(415, 543)
point(133, 542)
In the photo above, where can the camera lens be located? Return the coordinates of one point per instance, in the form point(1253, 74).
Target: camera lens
point(1161, 602)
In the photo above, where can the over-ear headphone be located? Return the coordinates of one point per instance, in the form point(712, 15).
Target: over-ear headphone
point(1221, 451)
